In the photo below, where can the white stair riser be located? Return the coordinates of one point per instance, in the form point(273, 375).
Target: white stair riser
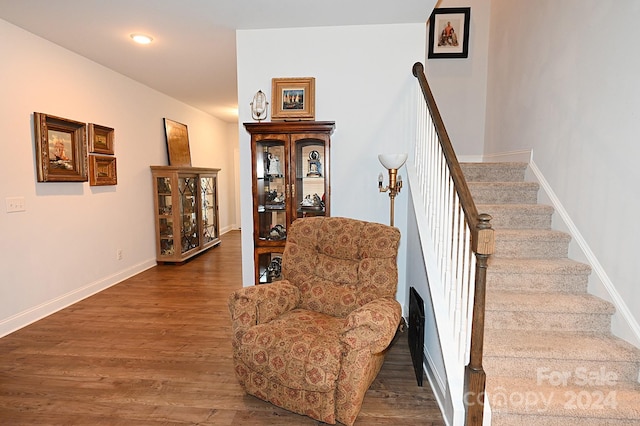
point(510, 320)
point(560, 371)
point(523, 248)
point(506, 195)
point(500, 172)
point(534, 419)
point(571, 283)
point(530, 221)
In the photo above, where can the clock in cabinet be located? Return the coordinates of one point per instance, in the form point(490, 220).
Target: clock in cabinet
point(186, 211)
point(290, 180)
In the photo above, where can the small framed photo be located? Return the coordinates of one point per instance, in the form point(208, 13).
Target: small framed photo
point(61, 149)
point(449, 33)
point(293, 99)
point(177, 143)
point(102, 170)
point(100, 139)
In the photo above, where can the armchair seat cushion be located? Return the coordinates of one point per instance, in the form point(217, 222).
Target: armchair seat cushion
point(300, 350)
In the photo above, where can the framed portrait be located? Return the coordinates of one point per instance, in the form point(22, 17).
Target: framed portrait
point(293, 99)
point(449, 33)
point(100, 139)
point(177, 136)
point(102, 170)
point(61, 149)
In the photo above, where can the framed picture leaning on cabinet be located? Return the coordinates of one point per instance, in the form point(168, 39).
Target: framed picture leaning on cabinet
point(178, 150)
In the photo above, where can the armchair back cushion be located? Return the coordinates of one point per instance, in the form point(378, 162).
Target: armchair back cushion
point(340, 264)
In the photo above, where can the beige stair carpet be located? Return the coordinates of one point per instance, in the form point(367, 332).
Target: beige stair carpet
point(549, 354)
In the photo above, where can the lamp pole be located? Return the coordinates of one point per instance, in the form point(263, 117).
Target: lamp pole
point(395, 184)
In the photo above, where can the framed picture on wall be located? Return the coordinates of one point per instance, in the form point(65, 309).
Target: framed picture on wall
point(293, 98)
point(102, 170)
point(61, 149)
point(449, 33)
point(100, 139)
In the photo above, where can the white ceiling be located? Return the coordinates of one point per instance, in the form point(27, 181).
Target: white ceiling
point(192, 57)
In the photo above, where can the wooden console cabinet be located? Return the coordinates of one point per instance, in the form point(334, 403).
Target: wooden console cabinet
point(186, 211)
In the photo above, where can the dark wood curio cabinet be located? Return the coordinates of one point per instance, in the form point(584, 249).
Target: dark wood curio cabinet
point(291, 179)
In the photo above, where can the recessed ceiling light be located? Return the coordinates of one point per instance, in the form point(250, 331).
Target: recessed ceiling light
point(141, 38)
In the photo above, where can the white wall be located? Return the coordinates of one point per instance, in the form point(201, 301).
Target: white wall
point(363, 83)
point(564, 82)
point(460, 85)
point(62, 248)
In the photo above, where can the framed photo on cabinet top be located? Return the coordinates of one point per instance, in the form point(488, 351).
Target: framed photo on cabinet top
point(293, 99)
point(100, 139)
point(449, 33)
point(102, 170)
point(177, 136)
point(61, 149)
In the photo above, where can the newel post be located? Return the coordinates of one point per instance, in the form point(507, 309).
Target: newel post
point(475, 378)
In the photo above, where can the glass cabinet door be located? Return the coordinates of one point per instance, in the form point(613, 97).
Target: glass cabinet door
point(311, 177)
point(165, 215)
point(272, 190)
point(269, 264)
point(209, 202)
point(188, 187)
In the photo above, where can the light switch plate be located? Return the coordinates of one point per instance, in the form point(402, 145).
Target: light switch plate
point(15, 204)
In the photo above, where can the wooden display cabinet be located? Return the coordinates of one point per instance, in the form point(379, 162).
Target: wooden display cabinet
point(291, 179)
point(186, 211)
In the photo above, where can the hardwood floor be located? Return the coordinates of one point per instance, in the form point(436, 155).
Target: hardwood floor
point(155, 349)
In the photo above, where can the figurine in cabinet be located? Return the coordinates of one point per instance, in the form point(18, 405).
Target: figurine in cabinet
point(315, 166)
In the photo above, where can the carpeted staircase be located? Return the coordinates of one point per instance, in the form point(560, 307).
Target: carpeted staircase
point(549, 355)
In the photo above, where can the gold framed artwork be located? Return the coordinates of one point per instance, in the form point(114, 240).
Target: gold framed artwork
point(61, 149)
point(293, 98)
point(102, 170)
point(100, 139)
point(177, 136)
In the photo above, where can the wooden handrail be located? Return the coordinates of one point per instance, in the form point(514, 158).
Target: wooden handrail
point(482, 244)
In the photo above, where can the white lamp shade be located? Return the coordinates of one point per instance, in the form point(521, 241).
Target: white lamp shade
point(392, 161)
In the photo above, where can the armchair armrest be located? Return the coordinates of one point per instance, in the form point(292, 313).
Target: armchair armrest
point(250, 306)
point(372, 325)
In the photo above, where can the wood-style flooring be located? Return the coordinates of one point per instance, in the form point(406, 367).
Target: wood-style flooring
point(156, 349)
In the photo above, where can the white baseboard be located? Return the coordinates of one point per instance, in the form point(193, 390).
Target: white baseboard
point(229, 229)
point(470, 159)
point(438, 386)
point(523, 156)
point(514, 156)
point(437, 382)
point(31, 315)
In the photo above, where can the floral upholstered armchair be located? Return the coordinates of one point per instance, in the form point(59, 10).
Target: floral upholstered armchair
point(313, 342)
